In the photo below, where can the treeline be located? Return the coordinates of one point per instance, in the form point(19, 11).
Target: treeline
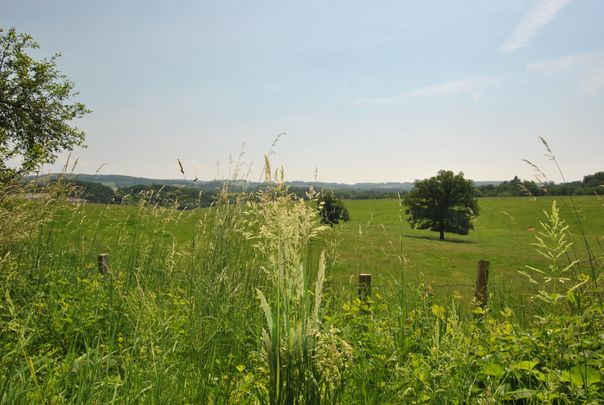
point(591, 184)
point(351, 194)
point(189, 197)
point(183, 198)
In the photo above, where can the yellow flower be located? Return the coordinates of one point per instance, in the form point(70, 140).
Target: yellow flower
point(438, 311)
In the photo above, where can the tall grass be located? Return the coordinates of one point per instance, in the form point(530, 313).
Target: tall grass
point(239, 309)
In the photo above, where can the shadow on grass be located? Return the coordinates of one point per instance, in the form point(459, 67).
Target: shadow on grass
point(435, 238)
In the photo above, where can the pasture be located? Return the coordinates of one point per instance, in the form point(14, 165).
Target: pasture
point(378, 240)
point(198, 305)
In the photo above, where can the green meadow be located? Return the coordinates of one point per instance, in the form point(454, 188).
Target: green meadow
point(253, 301)
point(379, 240)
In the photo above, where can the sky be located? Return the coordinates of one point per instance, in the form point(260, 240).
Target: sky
point(361, 91)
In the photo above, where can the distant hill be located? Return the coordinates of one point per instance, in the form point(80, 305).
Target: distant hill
point(118, 181)
point(113, 188)
point(391, 186)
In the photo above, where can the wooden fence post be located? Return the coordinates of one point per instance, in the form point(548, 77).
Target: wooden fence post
point(103, 260)
point(364, 286)
point(482, 279)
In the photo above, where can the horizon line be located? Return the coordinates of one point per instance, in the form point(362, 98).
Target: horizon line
point(286, 181)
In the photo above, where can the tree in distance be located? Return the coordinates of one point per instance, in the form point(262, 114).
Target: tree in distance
point(331, 209)
point(443, 203)
point(35, 108)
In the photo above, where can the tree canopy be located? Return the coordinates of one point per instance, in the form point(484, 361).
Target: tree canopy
point(594, 180)
point(443, 203)
point(331, 209)
point(35, 108)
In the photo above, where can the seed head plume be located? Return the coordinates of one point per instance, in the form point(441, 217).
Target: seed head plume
point(75, 164)
point(550, 155)
point(267, 169)
point(274, 144)
point(182, 170)
point(540, 176)
point(100, 167)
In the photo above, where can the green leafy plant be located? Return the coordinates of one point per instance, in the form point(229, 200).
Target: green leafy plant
point(35, 108)
point(553, 244)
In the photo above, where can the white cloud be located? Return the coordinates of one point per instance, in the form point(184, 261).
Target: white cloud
point(537, 17)
point(471, 86)
point(587, 69)
point(553, 67)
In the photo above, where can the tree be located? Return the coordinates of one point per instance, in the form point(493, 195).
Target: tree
point(331, 209)
point(94, 192)
point(443, 203)
point(593, 180)
point(35, 108)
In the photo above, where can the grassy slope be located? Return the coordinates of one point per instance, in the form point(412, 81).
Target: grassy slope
point(378, 242)
point(175, 324)
point(375, 238)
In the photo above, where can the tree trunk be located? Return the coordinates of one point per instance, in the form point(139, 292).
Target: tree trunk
point(442, 233)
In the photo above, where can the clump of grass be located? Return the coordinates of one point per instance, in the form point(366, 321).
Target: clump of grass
point(228, 305)
point(552, 243)
point(591, 259)
point(296, 349)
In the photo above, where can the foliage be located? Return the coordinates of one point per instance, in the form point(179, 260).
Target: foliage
point(443, 203)
point(591, 184)
point(165, 196)
point(93, 192)
point(514, 187)
point(552, 243)
point(331, 209)
point(35, 108)
point(593, 180)
point(300, 355)
point(238, 304)
point(73, 335)
point(24, 208)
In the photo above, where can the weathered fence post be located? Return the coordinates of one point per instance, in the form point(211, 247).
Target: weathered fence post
point(482, 279)
point(103, 263)
point(364, 286)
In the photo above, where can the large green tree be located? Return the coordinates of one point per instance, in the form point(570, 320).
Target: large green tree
point(443, 203)
point(36, 108)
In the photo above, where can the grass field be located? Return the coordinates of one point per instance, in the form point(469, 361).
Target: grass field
point(228, 305)
point(378, 240)
point(378, 236)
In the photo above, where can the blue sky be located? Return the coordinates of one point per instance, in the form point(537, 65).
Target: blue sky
point(365, 91)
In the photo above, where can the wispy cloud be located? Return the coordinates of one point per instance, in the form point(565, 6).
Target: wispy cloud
point(554, 67)
point(537, 17)
point(472, 86)
point(585, 68)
